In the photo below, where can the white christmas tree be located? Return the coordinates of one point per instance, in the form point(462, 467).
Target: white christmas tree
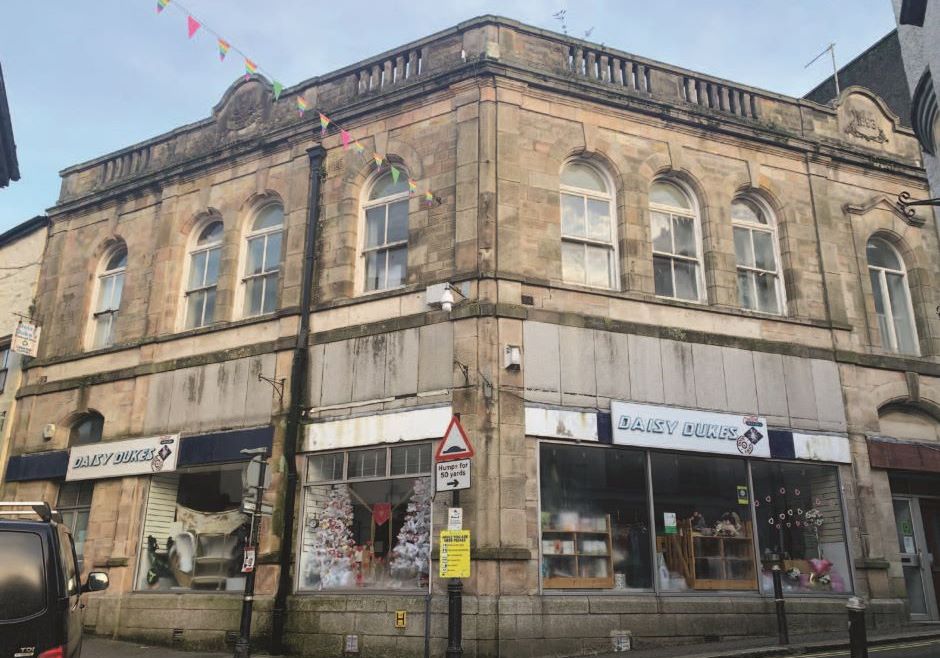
point(332, 542)
point(413, 547)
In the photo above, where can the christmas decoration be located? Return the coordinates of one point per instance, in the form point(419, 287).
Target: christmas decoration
point(410, 556)
point(330, 563)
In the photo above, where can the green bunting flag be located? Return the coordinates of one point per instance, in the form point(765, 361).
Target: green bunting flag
point(278, 88)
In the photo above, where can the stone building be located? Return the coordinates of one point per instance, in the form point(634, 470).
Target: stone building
point(21, 249)
point(690, 328)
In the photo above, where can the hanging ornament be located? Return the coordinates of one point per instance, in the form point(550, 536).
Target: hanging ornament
point(796, 492)
point(381, 513)
point(783, 491)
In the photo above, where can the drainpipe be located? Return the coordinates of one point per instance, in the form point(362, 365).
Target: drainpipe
point(298, 393)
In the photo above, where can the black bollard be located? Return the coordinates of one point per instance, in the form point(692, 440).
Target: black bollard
point(858, 636)
point(783, 635)
point(454, 618)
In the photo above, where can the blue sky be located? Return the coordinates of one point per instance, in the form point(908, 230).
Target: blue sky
point(87, 77)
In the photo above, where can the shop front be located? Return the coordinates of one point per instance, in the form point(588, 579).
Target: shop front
point(666, 500)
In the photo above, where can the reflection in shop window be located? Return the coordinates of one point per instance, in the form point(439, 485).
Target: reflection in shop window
point(194, 531)
point(799, 523)
point(594, 519)
point(704, 537)
point(367, 519)
point(74, 504)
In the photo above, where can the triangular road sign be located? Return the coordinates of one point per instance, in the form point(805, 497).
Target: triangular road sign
point(455, 444)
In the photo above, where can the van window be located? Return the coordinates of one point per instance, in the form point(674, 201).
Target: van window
point(22, 578)
point(69, 571)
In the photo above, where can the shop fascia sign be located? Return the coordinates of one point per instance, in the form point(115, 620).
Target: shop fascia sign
point(110, 459)
point(675, 428)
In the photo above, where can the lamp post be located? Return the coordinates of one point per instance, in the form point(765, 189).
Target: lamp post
point(243, 643)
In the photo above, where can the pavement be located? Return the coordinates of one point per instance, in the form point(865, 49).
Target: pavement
point(916, 641)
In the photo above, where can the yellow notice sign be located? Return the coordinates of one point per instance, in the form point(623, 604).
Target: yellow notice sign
point(455, 554)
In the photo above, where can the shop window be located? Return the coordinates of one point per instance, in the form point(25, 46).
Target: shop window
point(385, 239)
point(588, 231)
point(755, 249)
point(74, 504)
point(194, 533)
point(86, 429)
point(674, 226)
point(108, 298)
point(263, 261)
point(704, 535)
point(367, 519)
point(594, 519)
point(800, 525)
point(892, 297)
point(204, 260)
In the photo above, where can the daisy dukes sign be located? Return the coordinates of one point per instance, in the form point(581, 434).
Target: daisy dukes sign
point(674, 428)
point(110, 459)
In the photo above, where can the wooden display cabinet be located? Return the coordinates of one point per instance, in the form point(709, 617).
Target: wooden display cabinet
point(715, 562)
point(584, 558)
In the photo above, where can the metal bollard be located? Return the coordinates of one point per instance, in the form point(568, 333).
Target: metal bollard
point(783, 635)
point(454, 618)
point(858, 636)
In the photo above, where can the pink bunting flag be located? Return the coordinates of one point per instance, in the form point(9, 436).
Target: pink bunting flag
point(193, 25)
point(324, 123)
point(346, 137)
point(223, 49)
point(161, 5)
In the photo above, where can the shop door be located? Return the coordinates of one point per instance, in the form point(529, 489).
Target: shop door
point(915, 561)
point(930, 515)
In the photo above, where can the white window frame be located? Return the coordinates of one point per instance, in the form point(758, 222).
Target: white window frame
point(364, 251)
point(612, 245)
point(771, 228)
point(890, 342)
point(696, 216)
point(253, 234)
point(112, 312)
point(193, 250)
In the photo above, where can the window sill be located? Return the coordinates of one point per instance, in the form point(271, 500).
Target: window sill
point(360, 591)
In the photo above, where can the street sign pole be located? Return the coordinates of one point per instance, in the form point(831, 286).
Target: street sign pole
point(243, 643)
point(455, 609)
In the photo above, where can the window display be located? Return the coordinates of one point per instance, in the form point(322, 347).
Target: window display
point(800, 526)
point(595, 519)
point(367, 519)
point(194, 532)
point(703, 530)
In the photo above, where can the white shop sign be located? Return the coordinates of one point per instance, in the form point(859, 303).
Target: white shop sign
point(110, 459)
point(673, 428)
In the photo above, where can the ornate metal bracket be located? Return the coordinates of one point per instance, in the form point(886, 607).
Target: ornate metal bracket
point(276, 384)
point(906, 206)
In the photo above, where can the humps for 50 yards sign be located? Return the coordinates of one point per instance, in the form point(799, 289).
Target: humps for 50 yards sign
point(110, 459)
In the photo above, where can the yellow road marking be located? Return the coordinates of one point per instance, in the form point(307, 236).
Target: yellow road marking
point(884, 647)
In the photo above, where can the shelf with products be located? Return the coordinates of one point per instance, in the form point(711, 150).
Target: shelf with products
point(576, 552)
point(711, 560)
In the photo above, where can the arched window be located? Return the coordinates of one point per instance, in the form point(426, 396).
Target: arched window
point(892, 297)
point(385, 240)
point(263, 260)
point(755, 249)
point(203, 275)
point(87, 428)
point(588, 230)
point(677, 266)
point(108, 298)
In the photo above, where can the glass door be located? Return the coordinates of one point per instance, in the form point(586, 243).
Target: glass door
point(913, 560)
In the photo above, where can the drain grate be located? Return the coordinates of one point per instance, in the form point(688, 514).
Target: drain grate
point(231, 637)
point(177, 636)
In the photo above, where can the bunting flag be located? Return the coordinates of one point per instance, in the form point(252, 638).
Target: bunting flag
point(193, 25)
point(250, 68)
